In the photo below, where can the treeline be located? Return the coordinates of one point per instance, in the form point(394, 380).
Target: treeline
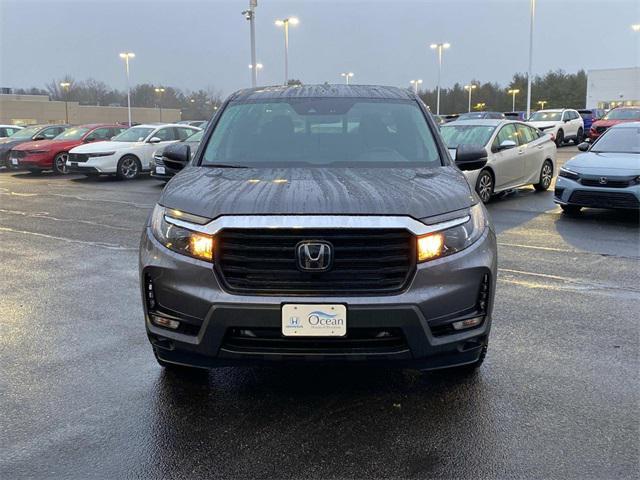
point(195, 105)
point(558, 89)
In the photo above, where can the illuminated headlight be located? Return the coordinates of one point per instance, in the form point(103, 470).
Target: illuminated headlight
point(447, 242)
point(566, 173)
point(181, 240)
point(100, 154)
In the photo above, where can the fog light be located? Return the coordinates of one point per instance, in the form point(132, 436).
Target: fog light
point(430, 246)
point(165, 322)
point(468, 323)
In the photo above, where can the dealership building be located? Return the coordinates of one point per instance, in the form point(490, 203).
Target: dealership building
point(613, 87)
point(33, 109)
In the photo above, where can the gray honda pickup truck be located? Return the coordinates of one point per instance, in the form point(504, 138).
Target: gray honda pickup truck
point(319, 224)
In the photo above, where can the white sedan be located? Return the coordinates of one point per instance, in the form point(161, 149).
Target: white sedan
point(128, 154)
point(517, 154)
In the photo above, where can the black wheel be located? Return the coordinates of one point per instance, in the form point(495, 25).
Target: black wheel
point(60, 163)
point(484, 186)
point(128, 168)
point(559, 138)
point(35, 171)
point(546, 175)
point(579, 137)
point(570, 209)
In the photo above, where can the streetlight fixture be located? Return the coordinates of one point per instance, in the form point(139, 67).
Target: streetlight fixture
point(347, 76)
point(126, 56)
point(255, 70)
point(415, 84)
point(440, 47)
point(530, 72)
point(285, 23)
point(542, 103)
point(470, 88)
point(513, 92)
point(65, 86)
point(250, 15)
point(635, 27)
point(160, 92)
point(480, 106)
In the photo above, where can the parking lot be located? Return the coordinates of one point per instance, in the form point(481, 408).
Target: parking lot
point(83, 397)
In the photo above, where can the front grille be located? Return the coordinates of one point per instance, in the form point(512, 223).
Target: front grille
point(601, 129)
point(159, 160)
point(365, 261)
point(604, 199)
point(78, 157)
point(17, 154)
point(357, 340)
point(591, 182)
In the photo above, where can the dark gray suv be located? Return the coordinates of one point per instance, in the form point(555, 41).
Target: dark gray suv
point(320, 224)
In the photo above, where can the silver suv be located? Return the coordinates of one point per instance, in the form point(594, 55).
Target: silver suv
point(320, 223)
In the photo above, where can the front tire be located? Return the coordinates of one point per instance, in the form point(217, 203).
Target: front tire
point(484, 186)
point(128, 168)
point(559, 138)
point(546, 175)
point(60, 163)
point(579, 137)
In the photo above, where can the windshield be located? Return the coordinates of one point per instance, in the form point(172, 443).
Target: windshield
point(322, 131)
point(455, 135)
point(471, 116)
point(196, 137)
point(135, 134)
point(546, 117)
point(25, 133)
point(619, 140)
point(623, 114)
point(72, 134)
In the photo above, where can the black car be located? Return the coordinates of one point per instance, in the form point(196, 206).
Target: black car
point(32, 133)
point(320, 223)
point(164, 168)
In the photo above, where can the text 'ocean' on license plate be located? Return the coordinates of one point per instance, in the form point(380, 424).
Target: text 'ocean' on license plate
point(314, 320)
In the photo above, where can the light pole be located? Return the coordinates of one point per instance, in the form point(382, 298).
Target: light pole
point(530, 72)
point(542, 103)
point(250, 16)
point(285, 23)
point(347, 76)
point(470, 88)
point(159, 91)
point(415, 84)
point(514, 92)
point(126, 56)
point(255, 71)
point(65, 86)
point(440, 47)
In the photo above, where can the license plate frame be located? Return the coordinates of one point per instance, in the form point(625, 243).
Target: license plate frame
point(314, 320)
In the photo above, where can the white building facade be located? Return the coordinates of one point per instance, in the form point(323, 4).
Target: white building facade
point(613, 87)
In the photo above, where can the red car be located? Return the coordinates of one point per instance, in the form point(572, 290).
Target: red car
point(613, 117)
point(52, 154)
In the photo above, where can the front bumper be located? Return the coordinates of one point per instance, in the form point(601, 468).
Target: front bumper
point(441, 292)
point(573, 193)
point(106, 164)
point(38, 160)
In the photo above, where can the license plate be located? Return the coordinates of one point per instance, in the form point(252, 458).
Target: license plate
point(314, 320)
point(74, 164)
point(14, 161)
point(160, 170)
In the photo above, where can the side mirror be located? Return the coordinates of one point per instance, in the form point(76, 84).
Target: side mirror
point(90, 139)
point(39, 137)
point(470, 157)
point(567, 120)
point(584, 147)
point(155, 140)
point(506, 145)
point(176, 156)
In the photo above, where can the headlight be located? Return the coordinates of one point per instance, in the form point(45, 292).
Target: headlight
point(566, 173)
point(100, 154)
point(440, 244)
point(181, 240)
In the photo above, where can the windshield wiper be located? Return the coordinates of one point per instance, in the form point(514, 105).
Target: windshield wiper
point(222, 165)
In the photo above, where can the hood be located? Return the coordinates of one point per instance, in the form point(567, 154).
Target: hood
point(609, 123)
point(105, 146)
point(210, 192)
point(603, 163)
point(8, 144)
point(541, 125)
point(48, 145)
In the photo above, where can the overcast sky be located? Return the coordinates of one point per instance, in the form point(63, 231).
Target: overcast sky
point(205, 43)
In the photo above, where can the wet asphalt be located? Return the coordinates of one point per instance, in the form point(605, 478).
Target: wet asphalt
point(81, 395)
